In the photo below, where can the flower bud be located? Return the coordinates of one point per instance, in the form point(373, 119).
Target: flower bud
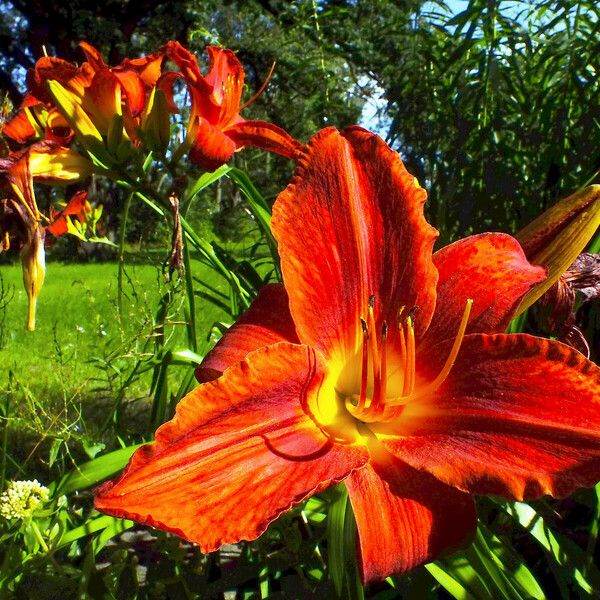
point(33, 261)
point(558, 236)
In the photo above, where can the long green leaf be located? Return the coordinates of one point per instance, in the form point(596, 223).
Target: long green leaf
point(93, 472)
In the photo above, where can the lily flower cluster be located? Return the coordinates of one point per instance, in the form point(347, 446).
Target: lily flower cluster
point(380, 363)
point(112, 111)
point(80, 119)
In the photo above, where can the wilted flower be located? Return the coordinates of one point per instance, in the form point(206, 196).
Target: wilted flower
point(558, 307)
point(20, 219)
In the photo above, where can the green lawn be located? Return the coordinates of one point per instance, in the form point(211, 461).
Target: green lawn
point(60, 382)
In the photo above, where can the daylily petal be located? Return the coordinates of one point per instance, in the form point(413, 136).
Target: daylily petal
point(93, 56)
point(267, 136)
point(48, 68)
point(103, 99)
point(244, 435)
point(53, 164)
point(16, 171)
point(266, 322)
point(211, 147)
point(492, 270)
point(406, 518)
point(349, 226)
point(133, 86)
point(22, 127)
point(200, 90)
point(147, 67)
point(187, 63)
point(557, 236)
point(226, 77)
point(518, 416)
point(77, 207)
point(87, 132)
point(165, 83)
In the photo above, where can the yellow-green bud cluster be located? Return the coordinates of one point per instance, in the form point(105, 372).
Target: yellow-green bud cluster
point(21, 498)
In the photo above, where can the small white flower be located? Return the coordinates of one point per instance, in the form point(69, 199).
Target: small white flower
point(21, 498)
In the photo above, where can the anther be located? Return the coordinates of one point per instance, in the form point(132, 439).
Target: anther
point(407, 394)
point(364, 326)
point(413, 312)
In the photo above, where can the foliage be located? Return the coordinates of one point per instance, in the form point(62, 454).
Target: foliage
point(494, 108)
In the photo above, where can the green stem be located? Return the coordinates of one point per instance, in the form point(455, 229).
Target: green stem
point(122, 255)
point(39, 538)
point(158, 204)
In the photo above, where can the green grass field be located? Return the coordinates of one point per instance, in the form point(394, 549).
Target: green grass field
point(61, 381)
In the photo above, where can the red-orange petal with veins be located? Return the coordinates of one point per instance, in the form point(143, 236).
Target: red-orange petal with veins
point(103, 99)
point(406, 518)
point(148, 67)
point(239, 452)
point(77, 207)
point(47, 68)
point(19, 128)
point(489, 268)
point(165, 84)
point(266, 322)
point(266, 136)
point(226, 77)
point(518, 416)
point(93, 56)
point(187, 63)
point(133, 86)
point(349, 225)
point(211, 147)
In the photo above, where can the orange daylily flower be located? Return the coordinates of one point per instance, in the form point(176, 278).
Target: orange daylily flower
point(378, 363)
point(102, 91)
point(215, 129)
point(35, 121)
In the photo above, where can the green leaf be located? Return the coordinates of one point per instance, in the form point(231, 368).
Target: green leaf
point(445, 578)
point(206, 180)
point(341, 543)
point(93, 472)
point(568, 555)
point(89, 527)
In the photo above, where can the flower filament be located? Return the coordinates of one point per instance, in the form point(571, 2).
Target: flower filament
point(374, 362)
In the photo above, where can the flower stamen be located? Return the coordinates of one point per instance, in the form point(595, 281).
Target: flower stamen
point(445, 371)
point(364, 376)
